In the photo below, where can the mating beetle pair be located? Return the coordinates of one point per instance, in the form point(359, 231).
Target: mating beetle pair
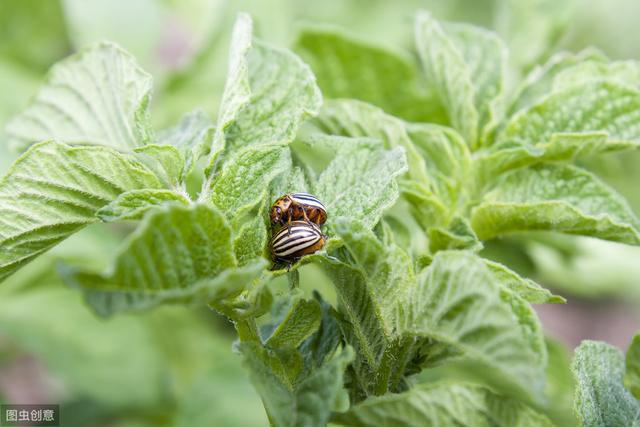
point(299, 216)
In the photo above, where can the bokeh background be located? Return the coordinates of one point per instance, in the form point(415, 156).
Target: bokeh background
point(174, 366)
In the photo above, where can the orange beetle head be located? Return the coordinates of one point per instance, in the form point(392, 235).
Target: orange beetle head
point(279, 210)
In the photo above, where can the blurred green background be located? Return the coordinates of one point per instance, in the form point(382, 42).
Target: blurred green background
point(175, 366)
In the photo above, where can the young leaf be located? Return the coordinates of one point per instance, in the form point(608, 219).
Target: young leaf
point(459, 235)
point(350, 68)
point(466, 65)
point(261, 77)
point(98, 96)
point(359, 183)
point(236, 89)
point(167, 162)
point(486, 57)
point(54, 190)
point(348, 117)
point(192, 136)
point(632, 372)
point(592, 106)
point(601, 399)
point(526, 289)
point(302, 320)
point(307, 401)
point(442, 404)
point(447, 158)
point(559, 198)
point(177, 254)
point(277, 77)
point(244, 181)
point(540, 80)
point(458, 303)
point(135, 203)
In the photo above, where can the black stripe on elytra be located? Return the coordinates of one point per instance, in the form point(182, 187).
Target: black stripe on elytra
point(293, 242)
point(295, 231)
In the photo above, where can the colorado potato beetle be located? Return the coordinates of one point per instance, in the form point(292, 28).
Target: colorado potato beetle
point(297, 207)
point(299, 239)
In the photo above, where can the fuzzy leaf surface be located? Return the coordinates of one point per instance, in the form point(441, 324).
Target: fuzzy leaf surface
point(53, 190)
point(443, 404)
point(558, 198)
point(601, 398)
point(98, 96)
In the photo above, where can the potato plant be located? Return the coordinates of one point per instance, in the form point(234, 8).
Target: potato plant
point(420, 155)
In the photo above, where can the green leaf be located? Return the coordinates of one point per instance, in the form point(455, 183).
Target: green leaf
point(601, 399)
point(251, 240)
point(192, 136)
point(539, 81)
point(448, 74)
point(167, 162)
point(98, 96)
point(283, 94)
point(486, 57)
point(301, 321)
point(268, 93)
point(442, 404)
point(466, 66)
point(632, 372)
point(459, 304)
point(135, 204)
point(308, 400)
point(177, 254)
point(560, 147)
point(237, 91)
point(53, 190)
point(526, 289)
point(459, 235)
point(559, 198)
point(350, 68)
point(244, 181)
point(370, 282)
point(621, 72)
point(359, 183)
point(593, 106)
point(448, 161)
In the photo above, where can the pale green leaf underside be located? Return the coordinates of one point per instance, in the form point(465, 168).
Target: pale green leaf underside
point(442, 404)
point(593, 106)
point(449, 75)
point(359, 183)
point(459, 303)
point(601, 400)
point(632, 372)
point(135, 203)
point(283, 92)
point(244, 180)
point(98, 96)
point(177, 254)
point(305, 403)
point(54, 190)
point(350, 68)
point(557, 198)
